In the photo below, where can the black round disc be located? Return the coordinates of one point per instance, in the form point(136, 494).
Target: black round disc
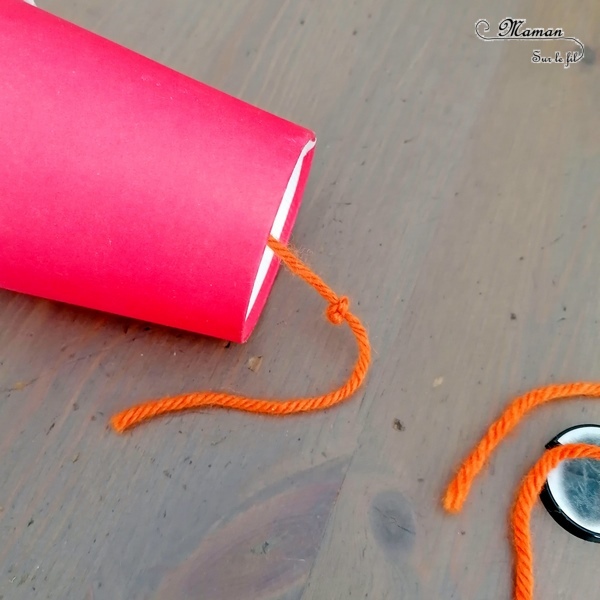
point(572, 491)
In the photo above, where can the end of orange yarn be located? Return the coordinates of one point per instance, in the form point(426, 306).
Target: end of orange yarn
point(117, 425)
point(453, 499)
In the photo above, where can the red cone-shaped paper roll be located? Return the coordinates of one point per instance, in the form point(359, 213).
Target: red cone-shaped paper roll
point(129, 188)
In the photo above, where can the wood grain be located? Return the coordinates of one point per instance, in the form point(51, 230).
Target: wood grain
point(454, 197)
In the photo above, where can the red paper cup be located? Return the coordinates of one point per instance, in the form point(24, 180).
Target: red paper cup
point(129, 188)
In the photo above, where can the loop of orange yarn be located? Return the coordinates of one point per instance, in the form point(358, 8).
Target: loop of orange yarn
point(459, 487)
point(521, 516)
point(337, 313)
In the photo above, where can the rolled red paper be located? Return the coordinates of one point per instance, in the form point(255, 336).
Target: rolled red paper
point(129, 188)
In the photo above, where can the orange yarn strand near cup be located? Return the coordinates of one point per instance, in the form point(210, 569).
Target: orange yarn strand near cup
point(459, 487)
point(337, 312)
point(521, 516)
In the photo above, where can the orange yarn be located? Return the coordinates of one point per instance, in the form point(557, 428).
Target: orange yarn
point(459, 487)
point(337, 312)
point(521, 516)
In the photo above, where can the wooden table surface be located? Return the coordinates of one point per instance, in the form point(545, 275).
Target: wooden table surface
point(454, 197)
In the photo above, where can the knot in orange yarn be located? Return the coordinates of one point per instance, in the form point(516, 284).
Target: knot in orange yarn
point(337, 311)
